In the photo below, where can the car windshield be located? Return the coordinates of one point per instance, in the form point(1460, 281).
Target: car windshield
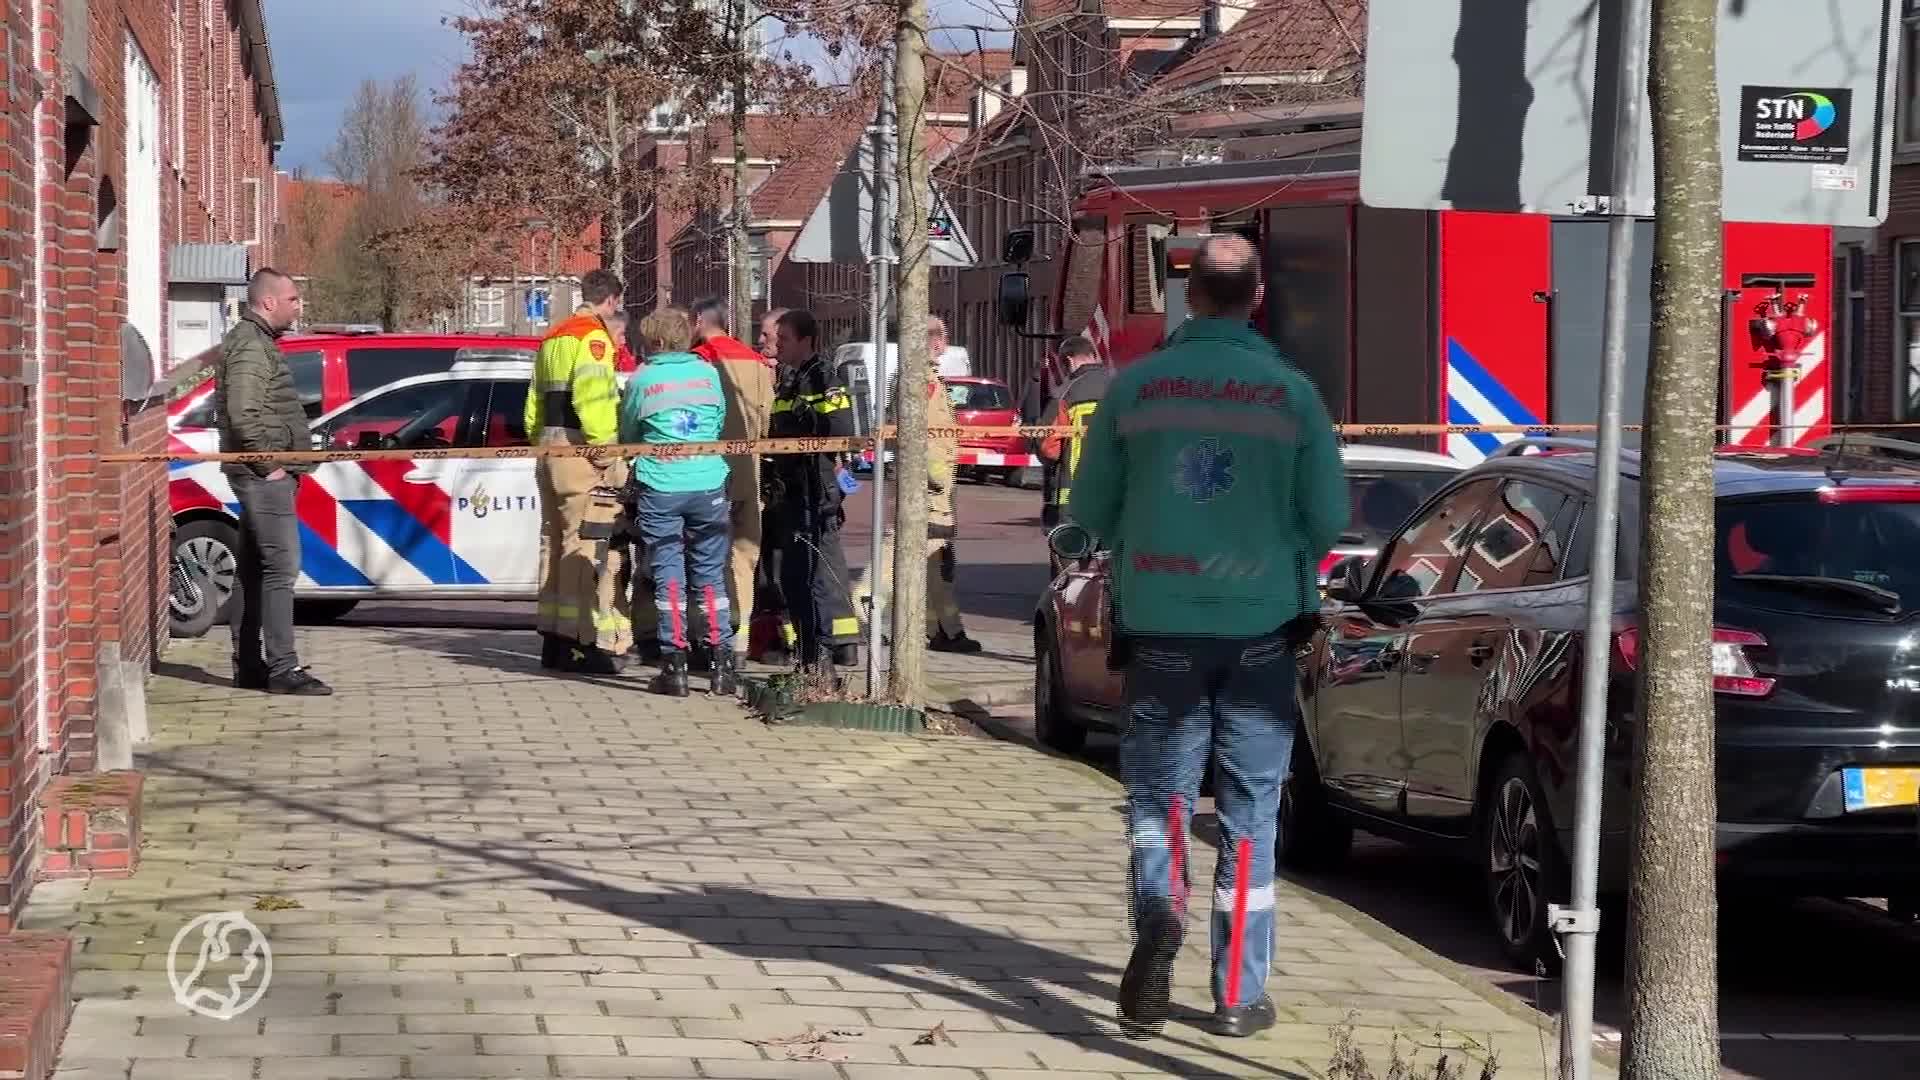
point(1382, 497)
point(975, 397)
point(1800, 554)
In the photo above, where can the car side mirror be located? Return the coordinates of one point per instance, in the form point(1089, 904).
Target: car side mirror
point(1014, 299)
point(1070, 542)
point(1347, 580)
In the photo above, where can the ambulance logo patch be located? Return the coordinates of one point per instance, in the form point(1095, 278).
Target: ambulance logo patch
point(1204, 470)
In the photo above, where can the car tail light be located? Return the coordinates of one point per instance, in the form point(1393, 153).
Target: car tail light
point(1733, 671)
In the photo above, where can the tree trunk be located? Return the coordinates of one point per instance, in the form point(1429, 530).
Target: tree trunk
point(1672, 1014)
point(906, 681)
point(741, 259)
point(616, 223)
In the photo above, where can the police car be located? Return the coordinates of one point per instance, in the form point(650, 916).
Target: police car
point(457, 528)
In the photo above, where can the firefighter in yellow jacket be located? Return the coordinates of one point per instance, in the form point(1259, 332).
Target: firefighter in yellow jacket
point(584, 615)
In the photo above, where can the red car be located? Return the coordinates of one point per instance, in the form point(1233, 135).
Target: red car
point(1074, 690)
point(988, 403)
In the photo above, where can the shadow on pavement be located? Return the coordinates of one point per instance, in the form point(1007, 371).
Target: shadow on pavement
point(1000, 976)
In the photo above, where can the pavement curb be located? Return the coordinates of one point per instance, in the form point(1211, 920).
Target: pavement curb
point(955, 697)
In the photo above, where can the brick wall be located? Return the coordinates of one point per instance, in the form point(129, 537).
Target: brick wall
point(105, 562)
point(1885, 355)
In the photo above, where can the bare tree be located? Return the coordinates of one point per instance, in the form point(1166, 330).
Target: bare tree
point(1672, 1018)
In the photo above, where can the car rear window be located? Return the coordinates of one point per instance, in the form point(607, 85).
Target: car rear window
point(1382, 499)
point(979, 396)
point(1802, 554)
point(371, 369)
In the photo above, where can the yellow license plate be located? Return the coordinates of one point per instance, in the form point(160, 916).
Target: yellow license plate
point(1877, 789)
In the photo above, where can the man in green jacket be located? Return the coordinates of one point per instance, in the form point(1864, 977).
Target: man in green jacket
point(260, 412)
point(1212, 471)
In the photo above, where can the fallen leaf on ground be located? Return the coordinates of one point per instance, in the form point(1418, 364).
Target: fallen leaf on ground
point(933, 1035)
point(275, 902)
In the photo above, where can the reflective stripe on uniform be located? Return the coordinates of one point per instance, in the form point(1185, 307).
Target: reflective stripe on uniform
point(602, 620)
point(1077, 415)
point(844, 627)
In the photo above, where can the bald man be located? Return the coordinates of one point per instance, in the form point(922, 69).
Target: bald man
point(1218, 502)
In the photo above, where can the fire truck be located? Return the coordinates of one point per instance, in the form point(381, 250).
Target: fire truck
point(1431, 317)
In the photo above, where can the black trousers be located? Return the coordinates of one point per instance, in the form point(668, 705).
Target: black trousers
point(814, 585)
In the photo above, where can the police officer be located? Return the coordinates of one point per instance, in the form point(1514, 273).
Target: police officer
point(804, 513)
point(1073, 406)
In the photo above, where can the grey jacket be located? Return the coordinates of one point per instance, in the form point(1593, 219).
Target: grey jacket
point(255, 399)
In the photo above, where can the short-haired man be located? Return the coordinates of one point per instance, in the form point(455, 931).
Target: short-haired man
point(1073, 406)
point(804, 512)
point(948, 361)
point(748, 384)
point(260, 412)
point(770, 337)
point(583, 614)
point(1218, 503)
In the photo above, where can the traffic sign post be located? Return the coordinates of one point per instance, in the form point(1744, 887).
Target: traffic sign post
point(1546, 113)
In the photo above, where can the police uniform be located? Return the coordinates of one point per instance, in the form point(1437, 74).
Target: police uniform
point(583, 613)
point(804, 512)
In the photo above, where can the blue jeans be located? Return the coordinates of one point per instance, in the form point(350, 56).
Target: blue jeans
point(1231, 698)
point(688, 534)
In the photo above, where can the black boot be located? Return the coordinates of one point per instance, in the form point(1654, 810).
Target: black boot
point(1244, 1020)
point(846, 656)
point(553, 651)
point(962, 644)
point(1146, 989)
point(647, 650)
point(700, 658)
point(672, 678)
point(724, 681)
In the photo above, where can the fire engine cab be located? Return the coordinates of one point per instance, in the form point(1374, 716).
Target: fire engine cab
point(1429, 317)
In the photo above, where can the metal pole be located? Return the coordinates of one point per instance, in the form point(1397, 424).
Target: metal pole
point(879, 274)
point(1579, 924)
point(1781, 384)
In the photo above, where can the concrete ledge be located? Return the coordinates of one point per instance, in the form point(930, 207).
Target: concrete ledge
point(36, 991)
point(91, 826)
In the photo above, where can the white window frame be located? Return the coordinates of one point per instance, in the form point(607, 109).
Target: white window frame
point(1907, 109)
point(1906, 329)
point(144, 136)
point(488, 298)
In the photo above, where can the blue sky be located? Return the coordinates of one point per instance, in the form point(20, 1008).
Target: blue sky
point(322, 49)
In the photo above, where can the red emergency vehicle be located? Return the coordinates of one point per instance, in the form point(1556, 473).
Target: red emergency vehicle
point(1406, 316)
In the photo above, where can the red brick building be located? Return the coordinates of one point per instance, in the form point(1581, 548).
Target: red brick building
point(136, 192)
point(1875, 340)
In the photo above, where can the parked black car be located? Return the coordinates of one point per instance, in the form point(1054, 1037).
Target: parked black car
point(1441, 700)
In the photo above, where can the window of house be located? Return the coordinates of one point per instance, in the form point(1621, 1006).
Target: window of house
point(145, 283)
point(250, 208)
point(489, 307)
point(1909, 107)
point(1907, 263)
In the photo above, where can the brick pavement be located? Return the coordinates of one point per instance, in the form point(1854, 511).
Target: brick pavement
point(503, 874)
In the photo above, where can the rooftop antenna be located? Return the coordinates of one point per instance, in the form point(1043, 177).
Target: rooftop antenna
point(1836, 471)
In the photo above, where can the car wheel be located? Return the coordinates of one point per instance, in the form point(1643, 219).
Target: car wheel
point(206, 568)
point(1519, 856)
point(323, 611)
point(1052, 725)
point(1311, 834)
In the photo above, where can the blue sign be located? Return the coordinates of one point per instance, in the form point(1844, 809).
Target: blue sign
point(538, 302)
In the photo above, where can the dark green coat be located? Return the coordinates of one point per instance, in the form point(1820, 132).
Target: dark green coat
point(255, 399)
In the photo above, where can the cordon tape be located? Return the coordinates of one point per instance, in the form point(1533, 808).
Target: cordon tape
point(847, 444)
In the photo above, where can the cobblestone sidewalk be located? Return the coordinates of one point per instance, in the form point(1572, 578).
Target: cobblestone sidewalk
point(468, 869)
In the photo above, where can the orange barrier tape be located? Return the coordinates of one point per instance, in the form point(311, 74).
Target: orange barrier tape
point(1346, 432)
